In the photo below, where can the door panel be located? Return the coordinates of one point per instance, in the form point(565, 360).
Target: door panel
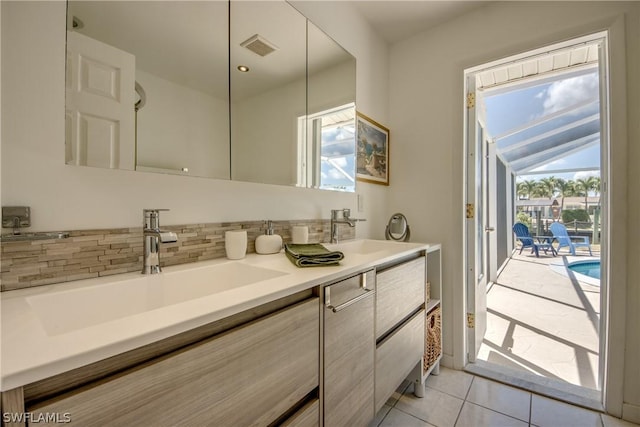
point(100, 104)
point(477, 228)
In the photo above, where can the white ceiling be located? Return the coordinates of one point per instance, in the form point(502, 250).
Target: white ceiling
point(398, 20)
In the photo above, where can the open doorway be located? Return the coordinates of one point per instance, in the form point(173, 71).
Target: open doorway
point(536, 146)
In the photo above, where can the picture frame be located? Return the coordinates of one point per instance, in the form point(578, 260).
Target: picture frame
point(372, 151)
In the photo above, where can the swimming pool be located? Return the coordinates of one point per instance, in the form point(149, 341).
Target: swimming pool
point(587, 268)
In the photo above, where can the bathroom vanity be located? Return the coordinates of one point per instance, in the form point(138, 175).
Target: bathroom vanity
point(250, 342)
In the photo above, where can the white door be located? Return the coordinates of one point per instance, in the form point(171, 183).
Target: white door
point(477, 227)
point(100, 115)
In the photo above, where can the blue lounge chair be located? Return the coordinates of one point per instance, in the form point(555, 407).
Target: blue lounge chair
point(522, 234)
point(564, 240)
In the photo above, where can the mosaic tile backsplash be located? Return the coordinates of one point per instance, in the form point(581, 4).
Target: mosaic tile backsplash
point(87, 254)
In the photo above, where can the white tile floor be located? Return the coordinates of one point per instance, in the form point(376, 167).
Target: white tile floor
point(456, 398)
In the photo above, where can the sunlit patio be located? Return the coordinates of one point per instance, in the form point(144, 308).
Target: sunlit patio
point(543, 320)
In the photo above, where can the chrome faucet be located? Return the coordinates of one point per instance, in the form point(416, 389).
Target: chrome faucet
point(341, 216)
point(153, 237)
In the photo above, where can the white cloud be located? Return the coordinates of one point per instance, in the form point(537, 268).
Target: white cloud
point(565, 93)
point(335, 174)
point(340, 161)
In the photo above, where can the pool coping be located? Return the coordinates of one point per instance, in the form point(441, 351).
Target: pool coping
point(560, 267)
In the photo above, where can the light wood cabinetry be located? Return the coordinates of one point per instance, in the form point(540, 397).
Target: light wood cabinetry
point(250, 375)
point(307, 416)
point(397, 356)
point(349, 351)
point(400, 291)
point(400, 310)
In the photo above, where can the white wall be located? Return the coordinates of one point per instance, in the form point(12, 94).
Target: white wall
point(182, 127)
point(426, 118)
point(68, 197)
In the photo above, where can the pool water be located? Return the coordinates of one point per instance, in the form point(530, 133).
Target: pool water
point(591, 268)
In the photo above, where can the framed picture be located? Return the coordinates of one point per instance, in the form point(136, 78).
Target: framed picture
point(372, 154)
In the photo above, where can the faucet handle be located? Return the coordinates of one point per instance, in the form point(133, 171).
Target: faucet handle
point(151, 217)
point(155, 210)
point(346, 213)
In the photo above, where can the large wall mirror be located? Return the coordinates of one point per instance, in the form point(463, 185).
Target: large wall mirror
point(148, 90)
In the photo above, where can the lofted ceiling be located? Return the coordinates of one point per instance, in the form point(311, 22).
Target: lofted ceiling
point(397, 20)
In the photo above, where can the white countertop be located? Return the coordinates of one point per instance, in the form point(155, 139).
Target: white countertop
point(41, 337)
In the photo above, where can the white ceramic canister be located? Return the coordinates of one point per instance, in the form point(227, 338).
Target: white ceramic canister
point(299, 234)
point(235, 243)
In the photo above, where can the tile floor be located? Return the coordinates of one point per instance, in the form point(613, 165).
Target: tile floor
point(456, 398)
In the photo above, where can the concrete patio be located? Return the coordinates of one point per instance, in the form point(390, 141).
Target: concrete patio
point(543, 323)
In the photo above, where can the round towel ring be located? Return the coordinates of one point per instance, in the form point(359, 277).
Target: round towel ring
point(398, 228)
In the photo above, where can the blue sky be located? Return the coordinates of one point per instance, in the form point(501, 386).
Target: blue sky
point(511, 109)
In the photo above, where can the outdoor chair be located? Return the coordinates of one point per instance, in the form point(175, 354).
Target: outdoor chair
point(564, 240)
point(528, 241)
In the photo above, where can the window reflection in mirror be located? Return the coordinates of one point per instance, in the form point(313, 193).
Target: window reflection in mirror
point(331, 113)
point(147, 86)
point(326, 156)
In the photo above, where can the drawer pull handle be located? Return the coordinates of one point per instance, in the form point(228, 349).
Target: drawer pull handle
point(363, 285)
point(350, 302)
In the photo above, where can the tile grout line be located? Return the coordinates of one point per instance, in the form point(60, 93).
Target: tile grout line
point(495, 410)
point(464, 400)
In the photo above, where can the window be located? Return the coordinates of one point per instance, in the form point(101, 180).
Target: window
point(326, 149)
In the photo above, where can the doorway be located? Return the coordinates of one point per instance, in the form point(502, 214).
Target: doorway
point(532, 121)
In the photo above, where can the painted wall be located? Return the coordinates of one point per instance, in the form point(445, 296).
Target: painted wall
point(426, 115)
point(66, 197)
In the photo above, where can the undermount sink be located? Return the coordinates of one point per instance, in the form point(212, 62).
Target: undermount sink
point(69, 310)
point(362, 247)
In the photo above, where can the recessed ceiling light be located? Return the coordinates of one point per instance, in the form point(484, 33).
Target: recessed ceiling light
point(243, 68)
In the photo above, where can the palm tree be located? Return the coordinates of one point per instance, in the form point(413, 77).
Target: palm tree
point(597, 183)
point(565, 188)
point(584, 185)
point(526, 188)
point(546, 187)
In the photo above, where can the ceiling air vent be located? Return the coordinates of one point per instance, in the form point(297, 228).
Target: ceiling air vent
point(259, 45)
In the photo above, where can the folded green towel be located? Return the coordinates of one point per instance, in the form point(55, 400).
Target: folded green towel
point(311, 255)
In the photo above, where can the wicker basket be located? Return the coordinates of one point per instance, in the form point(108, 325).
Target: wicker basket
point(433, 342)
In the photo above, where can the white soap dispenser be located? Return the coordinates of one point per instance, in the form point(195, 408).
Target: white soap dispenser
point(268, 243)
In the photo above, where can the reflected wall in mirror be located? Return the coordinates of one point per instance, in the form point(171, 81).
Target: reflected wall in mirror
point(269, 39)
point(147, 86)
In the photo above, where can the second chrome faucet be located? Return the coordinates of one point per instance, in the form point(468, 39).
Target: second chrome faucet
point(153, 236)
point(341, 216)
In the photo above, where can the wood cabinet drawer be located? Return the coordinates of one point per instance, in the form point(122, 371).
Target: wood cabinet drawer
point(396, 357)
point(307, 416)
point(250, 375)
point(400, 291)
point(349, 346)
